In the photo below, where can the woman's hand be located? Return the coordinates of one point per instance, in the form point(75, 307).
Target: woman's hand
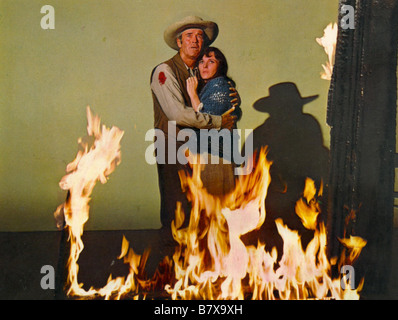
point(192, 86)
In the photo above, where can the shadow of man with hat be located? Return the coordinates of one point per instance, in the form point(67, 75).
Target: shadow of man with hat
point(295, 146)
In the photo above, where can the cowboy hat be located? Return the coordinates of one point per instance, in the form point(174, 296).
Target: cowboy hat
point(282, 93)
point(209, 28)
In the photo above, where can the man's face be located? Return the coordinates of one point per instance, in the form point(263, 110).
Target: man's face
point(191, 43)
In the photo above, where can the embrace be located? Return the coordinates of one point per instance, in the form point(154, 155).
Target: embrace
point(192, 90)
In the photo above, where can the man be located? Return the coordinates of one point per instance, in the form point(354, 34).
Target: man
point(172, 106)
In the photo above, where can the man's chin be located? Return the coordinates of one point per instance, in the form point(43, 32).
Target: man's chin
point(195, 52)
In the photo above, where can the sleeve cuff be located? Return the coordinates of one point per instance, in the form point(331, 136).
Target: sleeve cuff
point(216, 120)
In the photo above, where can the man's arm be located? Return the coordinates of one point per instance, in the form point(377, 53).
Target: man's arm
point(165, 86)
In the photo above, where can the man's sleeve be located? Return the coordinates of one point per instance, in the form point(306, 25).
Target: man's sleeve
point(168, 92)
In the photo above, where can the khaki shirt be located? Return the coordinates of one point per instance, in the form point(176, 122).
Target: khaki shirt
point(168, 92)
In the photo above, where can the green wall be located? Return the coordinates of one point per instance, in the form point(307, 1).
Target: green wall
point(101, 54)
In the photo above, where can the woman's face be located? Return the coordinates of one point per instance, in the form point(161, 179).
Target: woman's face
point(208, 66)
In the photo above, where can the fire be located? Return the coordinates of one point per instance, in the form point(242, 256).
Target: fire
point(210, 260)
point(307, 208)
point(328, 42)
point(90, 165)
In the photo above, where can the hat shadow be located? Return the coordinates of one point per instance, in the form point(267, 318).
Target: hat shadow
point(295, 145)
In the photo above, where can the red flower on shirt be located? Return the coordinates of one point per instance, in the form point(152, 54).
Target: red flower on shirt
point(162, 78)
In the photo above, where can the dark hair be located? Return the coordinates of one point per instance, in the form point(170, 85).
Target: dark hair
point(222, 61)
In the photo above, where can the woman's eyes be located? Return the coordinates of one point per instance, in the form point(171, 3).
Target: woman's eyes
point(209, 61)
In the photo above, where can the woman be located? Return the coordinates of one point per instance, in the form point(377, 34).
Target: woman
point(211, 94)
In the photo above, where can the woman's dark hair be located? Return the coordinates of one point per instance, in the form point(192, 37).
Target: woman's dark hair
point(222, 61)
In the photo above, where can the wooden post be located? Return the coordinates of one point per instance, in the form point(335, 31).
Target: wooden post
point(362, 115)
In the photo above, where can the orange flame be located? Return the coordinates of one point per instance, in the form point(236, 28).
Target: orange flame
point(90, 165)
point(210, 261)
point(308, 209)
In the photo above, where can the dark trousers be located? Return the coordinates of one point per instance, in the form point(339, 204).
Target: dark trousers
point(171, 192)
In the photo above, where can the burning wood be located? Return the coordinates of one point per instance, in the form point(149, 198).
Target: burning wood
point(210, 261)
